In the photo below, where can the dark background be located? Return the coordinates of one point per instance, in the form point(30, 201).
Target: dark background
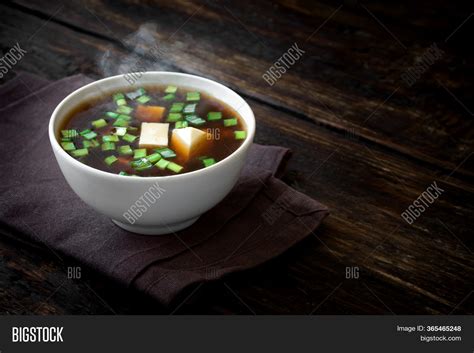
point(365, 143)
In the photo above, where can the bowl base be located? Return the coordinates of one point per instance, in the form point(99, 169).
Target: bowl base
point(155, 230)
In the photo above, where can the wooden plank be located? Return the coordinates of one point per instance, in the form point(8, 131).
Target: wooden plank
point(35, 281)
point(421, 267)
point(349, 78)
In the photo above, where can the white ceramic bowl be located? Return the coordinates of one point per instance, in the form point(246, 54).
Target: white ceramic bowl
point(183, 197)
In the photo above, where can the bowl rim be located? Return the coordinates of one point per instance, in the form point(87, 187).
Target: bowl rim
point(56, 146)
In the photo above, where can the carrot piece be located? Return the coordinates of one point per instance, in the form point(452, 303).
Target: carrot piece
point(123, 160)
point(150, 113)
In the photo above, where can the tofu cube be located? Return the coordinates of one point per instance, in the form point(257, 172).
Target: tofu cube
point(153, 135)
point(188, 142)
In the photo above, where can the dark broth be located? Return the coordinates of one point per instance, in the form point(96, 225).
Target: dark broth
point(221, 141)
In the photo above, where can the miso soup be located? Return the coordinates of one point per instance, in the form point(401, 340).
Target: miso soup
point(152, 131)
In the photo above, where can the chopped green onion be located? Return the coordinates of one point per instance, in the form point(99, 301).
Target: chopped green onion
point(166, 152)
point(65, 140)
point(230, 122)
point(135, 94)
point(80, 153)
point(90, 143)
point(125, 150)
point(132, 128)
point(86, 131)
point(240, 135)
point(172, 117)
point(90, 135)
point(208, 162)
point(139, 153)
point(180, 124)
point(124, 117)
point(169, 97)
point(190, 108)
point(68, 146)
point(112, 115)
point(176, 107)
point(141, 164)
point(121, 123)
point(212, 116)
point(198, 121)
point(69, 134)
point(99, 123)
point(110, 160)
point(129, 138)
point(154, 157)
point(123, 173)
point(171, 89)
point(124, 109)
point(174, 167)
point(108, 146)
point(120, 131)
point(119, 99)
point(143, 99)
point(162, 164)
point(193, 96)
point(195, 120)
point(110, 138)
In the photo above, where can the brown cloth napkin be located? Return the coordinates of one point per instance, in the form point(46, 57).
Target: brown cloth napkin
point(261, 217)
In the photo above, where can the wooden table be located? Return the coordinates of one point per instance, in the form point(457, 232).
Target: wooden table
point(366, 143)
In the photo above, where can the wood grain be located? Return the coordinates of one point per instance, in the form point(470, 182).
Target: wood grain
point(350, 72)
point(426, 268)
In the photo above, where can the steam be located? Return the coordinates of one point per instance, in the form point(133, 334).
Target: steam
point(146, 55)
